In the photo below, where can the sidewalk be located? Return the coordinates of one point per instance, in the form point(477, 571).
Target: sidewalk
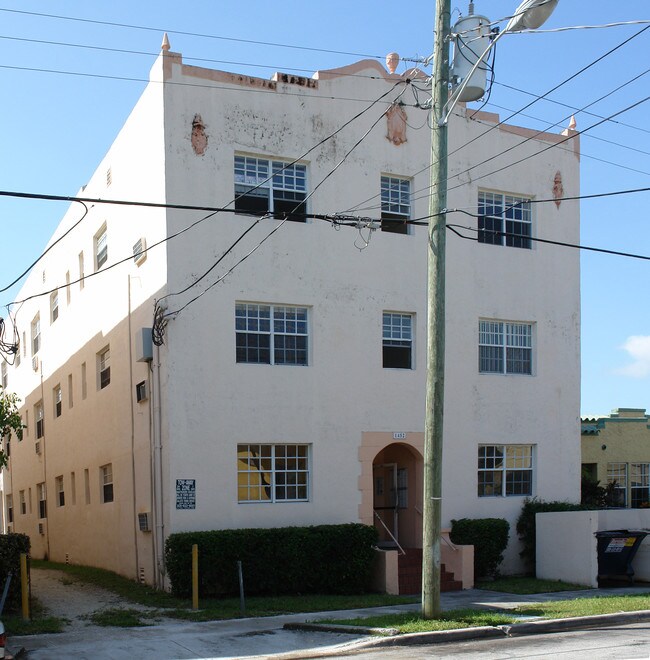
point(267, 637)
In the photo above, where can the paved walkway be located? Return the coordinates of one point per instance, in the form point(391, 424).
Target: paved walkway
point(264, 637)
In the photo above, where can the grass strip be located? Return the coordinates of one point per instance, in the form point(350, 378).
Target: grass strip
point(527, 585)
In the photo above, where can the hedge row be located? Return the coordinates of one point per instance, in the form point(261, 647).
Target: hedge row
point(11, 547)
point(489, 536)
point(286, 560)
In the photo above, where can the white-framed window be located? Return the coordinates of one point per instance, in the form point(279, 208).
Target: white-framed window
point(271, 334)
point(23, 502)
point(4, 378)
point(639, 485)
point(397, 340)
point(10, 508)
point(58, 401)
point(60, 493)
point(36, 334)
point(106, 482)
point(38, 418)
point(101, 247)
point(42, 500)
point(505, 347)
point(270, 186)
point(273, 473)
point(104, 367)
point(504, 219)
point(54, 306)
point(395, 204)
point(505, 470)
point(617, 475)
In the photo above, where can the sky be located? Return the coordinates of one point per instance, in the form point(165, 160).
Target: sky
point(66, 92)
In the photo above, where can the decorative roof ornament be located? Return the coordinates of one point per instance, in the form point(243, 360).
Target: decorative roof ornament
point(392, 60)
point(573, 123)
point(165, 43)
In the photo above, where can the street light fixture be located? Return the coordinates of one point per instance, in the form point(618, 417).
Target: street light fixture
point(530, 14)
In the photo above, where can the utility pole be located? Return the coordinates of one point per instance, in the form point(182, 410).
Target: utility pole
point(435, 386)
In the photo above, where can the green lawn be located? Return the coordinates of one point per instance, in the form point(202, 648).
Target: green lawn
point(164, 605)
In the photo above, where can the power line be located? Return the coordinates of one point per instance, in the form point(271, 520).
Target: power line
point(180, 84)
point(186, 58)
point(198, 34)
point(454, 228)
point(212, 212)
point(514, 114)
point(570, 107)
point(551, 146)
point(273, 231)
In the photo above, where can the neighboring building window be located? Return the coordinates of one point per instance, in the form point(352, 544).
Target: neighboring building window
point(505, 347)
point(271, 334)
point(22, 502)
point(54, 307)
point(36, 334)
point(617, 475)
point(42, 500)
point(67, 287)
point(101, 248)
point(70, 392)
point(505, 470)
point(60, 494)
point(4, 378)
point(263, 186)
point(40, 422)
point(104, 368)
point(273, 473)
point(10, 508)
point(58, 396)
point(106, 479)
point(639, 485)
point(397, 343)
point(504, 220)
point(395, 204)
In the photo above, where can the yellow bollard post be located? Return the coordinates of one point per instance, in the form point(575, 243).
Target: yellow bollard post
point(195, 577)
point(24, 585)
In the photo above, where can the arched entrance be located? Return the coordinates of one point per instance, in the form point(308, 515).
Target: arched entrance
point(397, 496)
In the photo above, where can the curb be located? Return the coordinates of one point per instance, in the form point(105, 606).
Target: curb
point(574, 623)
point(392, 638)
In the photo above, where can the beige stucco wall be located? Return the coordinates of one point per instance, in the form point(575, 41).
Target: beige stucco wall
point(344, 404)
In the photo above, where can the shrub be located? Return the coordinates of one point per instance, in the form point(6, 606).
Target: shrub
point(526, 529)
point(489, 536)
point(11, 547)
point(286, 560)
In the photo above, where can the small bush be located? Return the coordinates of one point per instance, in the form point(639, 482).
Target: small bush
point(11, 547)
point(526, 527)
point(326, 559)
point(489, 536)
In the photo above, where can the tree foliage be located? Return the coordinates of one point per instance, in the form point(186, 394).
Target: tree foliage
point(9, 419)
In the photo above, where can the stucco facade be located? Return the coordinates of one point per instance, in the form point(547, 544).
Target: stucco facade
point(616, 447)
point(347, 404)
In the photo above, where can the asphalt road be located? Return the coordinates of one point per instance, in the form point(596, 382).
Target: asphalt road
point(628, 642)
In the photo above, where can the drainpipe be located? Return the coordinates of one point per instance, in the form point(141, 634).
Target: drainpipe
point(158, 475)
point(135, 513)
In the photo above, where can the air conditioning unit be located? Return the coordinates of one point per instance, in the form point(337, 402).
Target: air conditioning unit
point(37, 447)
point(144, 521)
point(41, 528)
point(35, 363)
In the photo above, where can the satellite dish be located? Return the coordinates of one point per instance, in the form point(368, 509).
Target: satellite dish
point(530, 15)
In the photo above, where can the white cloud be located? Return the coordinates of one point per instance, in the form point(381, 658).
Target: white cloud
point(638, 348)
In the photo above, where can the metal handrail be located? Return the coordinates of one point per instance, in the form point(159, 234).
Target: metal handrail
point(401, 549)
